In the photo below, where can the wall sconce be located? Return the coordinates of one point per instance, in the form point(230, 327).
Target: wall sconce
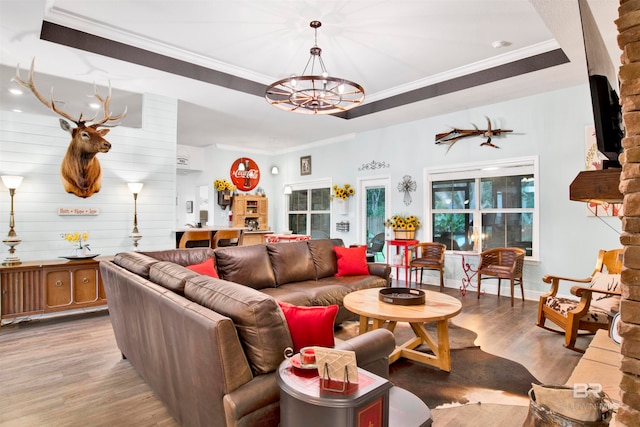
point(288, 190)
point(135, 188)
point(274, 170)
point(12, 240)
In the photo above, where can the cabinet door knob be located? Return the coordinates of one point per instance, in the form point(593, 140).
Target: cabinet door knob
point(85, 280)
point(58, 283)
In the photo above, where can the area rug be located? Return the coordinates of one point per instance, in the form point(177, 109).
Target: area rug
point(475, 377)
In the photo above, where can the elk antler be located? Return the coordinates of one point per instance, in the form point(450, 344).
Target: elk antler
point(52, 105)
point(32, 87)
point(105, 106)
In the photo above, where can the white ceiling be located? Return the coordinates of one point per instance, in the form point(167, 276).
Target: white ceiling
point(389, 47)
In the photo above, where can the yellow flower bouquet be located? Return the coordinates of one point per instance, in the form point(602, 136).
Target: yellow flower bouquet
point(404, 227)
point(79, 239)
point(342, 193)
point(223, 184)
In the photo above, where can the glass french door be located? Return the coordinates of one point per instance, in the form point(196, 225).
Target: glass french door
point(374, 207)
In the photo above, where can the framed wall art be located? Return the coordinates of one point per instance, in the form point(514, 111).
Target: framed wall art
point(305, 165)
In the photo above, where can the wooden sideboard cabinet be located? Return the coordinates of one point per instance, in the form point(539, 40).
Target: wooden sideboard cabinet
point(40, 287)
point(247, 208)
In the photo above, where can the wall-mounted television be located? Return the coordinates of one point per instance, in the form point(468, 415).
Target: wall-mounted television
point(607, 114)
point(607, 117)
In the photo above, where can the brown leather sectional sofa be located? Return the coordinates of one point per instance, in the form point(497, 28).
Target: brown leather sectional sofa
point(209, 347)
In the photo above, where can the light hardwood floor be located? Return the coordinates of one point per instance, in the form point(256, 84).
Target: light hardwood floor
point(68, 371)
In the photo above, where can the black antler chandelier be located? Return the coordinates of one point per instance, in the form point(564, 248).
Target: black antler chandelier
point(314, 94)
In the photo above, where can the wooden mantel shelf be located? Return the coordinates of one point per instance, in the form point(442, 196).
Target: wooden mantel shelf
point(597, 186)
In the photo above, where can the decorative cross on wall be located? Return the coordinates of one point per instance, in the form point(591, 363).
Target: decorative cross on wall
point(406, 186)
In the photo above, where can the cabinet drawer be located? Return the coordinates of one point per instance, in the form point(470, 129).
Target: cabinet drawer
point(85, 285)
point(58, 288)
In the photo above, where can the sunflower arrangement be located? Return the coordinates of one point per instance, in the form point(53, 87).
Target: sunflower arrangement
point(343, 193)
point(400, 222)
point(223, 184)
point(77, 238)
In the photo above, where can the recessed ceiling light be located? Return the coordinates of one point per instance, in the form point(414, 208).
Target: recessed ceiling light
point(500, 43)
point(16, 110)
point(15, 91)
point(94, 105)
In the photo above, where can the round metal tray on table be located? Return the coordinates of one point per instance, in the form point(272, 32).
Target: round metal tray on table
point(401, 296)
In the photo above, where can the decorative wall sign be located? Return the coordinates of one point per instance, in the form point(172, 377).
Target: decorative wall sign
point(245, 174)
point(454, 135)
point(406, 186)
point(78, 211)
point(182, 160)
point(373, 165)
point(305, 165)
point(342, 226)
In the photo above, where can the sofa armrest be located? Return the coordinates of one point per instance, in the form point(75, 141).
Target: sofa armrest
point(380, 269)
point(254, 403)
point(372, 350)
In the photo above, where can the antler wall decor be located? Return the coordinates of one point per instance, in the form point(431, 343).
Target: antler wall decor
point(455, 135)
point(80, 170)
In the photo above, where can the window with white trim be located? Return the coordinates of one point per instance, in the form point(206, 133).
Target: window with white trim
point(482, 206)
point(309, 209)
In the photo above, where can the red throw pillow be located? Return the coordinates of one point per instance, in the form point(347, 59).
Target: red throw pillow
point(352, 261)
point(207, 268)
point(310, 326)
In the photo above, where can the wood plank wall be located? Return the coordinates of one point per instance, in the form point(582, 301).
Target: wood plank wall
point(33, 146)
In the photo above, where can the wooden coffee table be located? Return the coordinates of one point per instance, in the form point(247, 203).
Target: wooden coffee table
point(437, 308)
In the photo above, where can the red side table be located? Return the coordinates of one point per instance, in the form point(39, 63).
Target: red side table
point(401, 244)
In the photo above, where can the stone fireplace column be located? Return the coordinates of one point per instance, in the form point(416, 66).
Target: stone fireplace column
point(628, 24)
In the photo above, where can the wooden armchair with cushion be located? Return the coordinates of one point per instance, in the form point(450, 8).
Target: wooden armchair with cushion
point(429, 255)
point(502, 263)
point(598, 295)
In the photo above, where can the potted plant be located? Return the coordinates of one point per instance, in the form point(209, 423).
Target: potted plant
point(403, 226)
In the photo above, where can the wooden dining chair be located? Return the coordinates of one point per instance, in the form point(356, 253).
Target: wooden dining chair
point(195, 238)
point(597, 297)
point(502, 263)
point(223, 238)
point(429, 256)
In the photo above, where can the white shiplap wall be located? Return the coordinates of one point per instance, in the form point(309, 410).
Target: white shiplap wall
point(33, 146)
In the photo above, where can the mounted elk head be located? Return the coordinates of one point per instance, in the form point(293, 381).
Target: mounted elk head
point(80, 170)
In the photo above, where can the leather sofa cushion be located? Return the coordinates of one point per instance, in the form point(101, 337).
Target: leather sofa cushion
point(135, 262)
point(247, 265)
point(291, 262)
point(182, 256)
point(324, 257)
point(318, 292)
point(259, 320)
point(286, 294)
point(170, 275)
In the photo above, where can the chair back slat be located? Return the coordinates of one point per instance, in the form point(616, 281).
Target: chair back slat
point(227, 238)
point(199, 237)
point(431, 250)
point(504, 257)
point(610, 260)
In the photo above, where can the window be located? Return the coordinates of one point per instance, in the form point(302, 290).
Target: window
point(309, 211)
point(484, 206)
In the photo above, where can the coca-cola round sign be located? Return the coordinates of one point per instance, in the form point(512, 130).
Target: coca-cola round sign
point(245, 174)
